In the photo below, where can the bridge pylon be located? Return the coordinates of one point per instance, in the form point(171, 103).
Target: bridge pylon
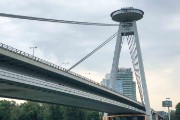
point(127, 18)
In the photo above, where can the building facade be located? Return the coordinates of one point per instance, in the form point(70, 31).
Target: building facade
point(124, 82)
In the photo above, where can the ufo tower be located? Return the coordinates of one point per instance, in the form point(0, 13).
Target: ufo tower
point(127, 18)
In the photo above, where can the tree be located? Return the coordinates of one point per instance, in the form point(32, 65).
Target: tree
point(45, 111)
point(177, 112)
point(9, 110)
point(93, 115)
point(74, 113)
point(30, 111)
point(5, 109)
point(55, 112)
point(172, 115)
point(15, 111)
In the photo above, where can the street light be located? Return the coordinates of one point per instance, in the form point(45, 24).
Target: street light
point(87, 74)
point(65, 64)
point(33, 49)
point(167, 103)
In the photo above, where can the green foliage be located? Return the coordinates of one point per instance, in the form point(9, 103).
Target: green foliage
point(9, 110)
point(55, 112)
point(172, 114)
point(30, 111)
point(15, 111)
point(5, 109)
point(93, 115)
point(177, 112)
point(71, 113)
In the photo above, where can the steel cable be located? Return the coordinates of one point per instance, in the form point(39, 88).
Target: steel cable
point(92, 52)
point(54, 20)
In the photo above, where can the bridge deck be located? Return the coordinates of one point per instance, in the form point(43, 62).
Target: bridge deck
point(23, 87)
point(19, 62)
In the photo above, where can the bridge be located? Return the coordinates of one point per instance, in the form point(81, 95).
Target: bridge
point(27, 77)
point(24, 76)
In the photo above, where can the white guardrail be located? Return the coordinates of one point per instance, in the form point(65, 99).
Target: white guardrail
point(17, 78)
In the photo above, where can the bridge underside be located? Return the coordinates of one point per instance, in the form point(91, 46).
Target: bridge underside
point(34, 93)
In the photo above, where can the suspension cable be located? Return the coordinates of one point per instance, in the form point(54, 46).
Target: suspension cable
point(54, 20)
point(92, 52)
point(134, 57)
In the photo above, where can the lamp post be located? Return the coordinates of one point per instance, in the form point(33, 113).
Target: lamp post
point(87, 74)
point(33, 49)
point(167, 103)
point(65, 64)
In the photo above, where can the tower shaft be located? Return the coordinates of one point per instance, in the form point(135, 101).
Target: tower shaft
point(130, 29)
point(142, 74)
point(116, 57)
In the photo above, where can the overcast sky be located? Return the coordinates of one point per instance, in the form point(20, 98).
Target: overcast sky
point(159, 32)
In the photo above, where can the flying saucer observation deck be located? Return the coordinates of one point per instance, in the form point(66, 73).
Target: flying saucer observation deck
point(127, 15)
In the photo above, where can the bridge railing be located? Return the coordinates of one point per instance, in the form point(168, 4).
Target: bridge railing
point(27, 55)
